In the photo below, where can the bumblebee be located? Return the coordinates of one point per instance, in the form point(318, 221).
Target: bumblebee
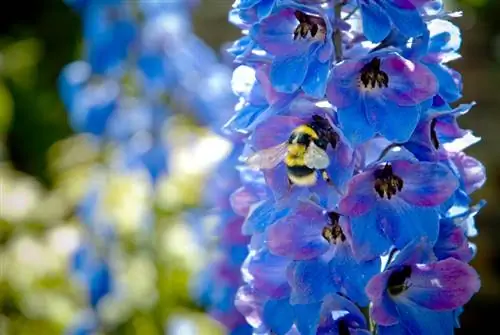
point(304, 154)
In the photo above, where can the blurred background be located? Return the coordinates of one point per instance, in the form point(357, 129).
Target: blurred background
point(47, 169)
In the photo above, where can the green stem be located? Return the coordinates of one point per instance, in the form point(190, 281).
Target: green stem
point(348, 16)
point(337, 34)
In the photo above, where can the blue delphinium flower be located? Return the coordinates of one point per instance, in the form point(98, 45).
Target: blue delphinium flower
point(380, 94)
point(300, 39)
point(416, 286)
point(394, 202)
point(380, 16)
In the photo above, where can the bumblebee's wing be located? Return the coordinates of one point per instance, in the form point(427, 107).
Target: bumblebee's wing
point(315, 157)
point(268, 158)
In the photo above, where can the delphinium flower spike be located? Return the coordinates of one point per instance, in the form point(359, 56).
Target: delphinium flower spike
point(367, 224)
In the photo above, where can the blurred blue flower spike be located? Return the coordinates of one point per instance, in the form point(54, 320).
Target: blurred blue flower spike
point(140, 59)
point(363, 213)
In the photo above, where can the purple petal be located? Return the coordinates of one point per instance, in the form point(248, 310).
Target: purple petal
point(383, 310)
point(242, 199)
point(425, 184)
point(267, 273)
point(298, 235)
point(442, 286)
point(452, 242)
point(275, 34)
point(409, 83)
point(472, 171)
point(360, 196)
point(250, 303)
point(276, 130)
point(341, 90)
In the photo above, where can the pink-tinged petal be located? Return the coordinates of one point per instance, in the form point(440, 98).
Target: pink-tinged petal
point(231, 234)
point(267, 273)
point(242, 199)
point(360, 196)
point(250, 303)
point(425, 184)
point(472, 172)
point(276, 130)
point(383, 310)
point(442, 286)
point(452, 242)
point(275, 34)
point(298, 235)
point(409, 83)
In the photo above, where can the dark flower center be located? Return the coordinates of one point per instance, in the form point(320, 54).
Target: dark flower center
point(371, 76)
point(387, 183)
point(309, 25)
point(397, 282)
point(343, 328)
point(333, 232)
point(434, 138)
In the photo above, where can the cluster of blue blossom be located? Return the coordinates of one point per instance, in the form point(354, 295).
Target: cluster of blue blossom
point(140, 58)
point(364, 212)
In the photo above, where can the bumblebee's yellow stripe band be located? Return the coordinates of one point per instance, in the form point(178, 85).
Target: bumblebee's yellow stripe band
point(306, 130)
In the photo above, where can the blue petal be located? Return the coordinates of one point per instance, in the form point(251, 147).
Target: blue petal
point(244, 118)
point(394, 122)
point(408, 21)
point(278, 316)
point(368, 240)
point(288, 73)
point(354, 124)
point(259, 217)
point(316, 79)
point(354, 275)
point(307, 318)
point(449, 89)
point(264, 8)
point(310, 281)
point(417, 320)
point(404, 223)
point(376, 23)
point(245, 4)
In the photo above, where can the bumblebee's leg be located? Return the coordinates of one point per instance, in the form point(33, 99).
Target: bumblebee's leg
point(325, 176)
